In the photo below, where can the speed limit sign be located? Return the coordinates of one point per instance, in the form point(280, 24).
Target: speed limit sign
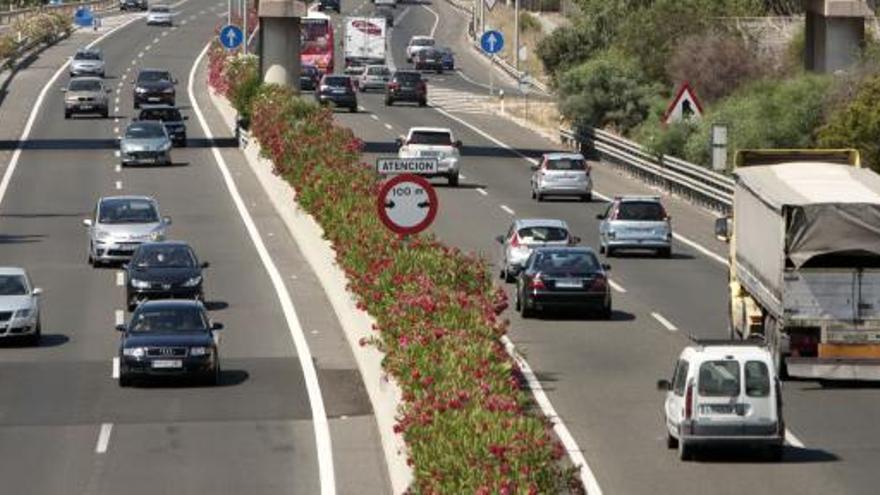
point(407, 204)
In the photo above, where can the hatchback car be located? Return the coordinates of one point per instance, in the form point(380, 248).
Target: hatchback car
point(526, 234)
point(19, 306)
point(86, 95)
point(325, 5)
point(417, 44)
point(562, 174)
point(447, 58)
point(170, 117)
point(428, 59)
point(568, 278)
point(169, 339)
point(309, 76)
point(374, 77)
point(163, 270)
point(635, 222)
point(724, 393)
point(406, 85)
point(119, 224)
point(145, 142)
point(154, 86)
point(433, 142)
point(159, 15)
point(132, 5)
point(338, 90)
point(87, 62)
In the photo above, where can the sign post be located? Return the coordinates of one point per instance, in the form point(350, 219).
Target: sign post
point(719, 147)
point(492, 42)
point(407, 204)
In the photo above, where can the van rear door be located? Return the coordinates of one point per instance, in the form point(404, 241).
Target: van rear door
point(718, 408)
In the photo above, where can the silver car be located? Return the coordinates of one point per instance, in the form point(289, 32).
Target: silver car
point(562, 174)
point(19, 306)
point(86, 95)
point(119, 224)
point(635, 222)
point(159, 14)
point(374, 77)
point(87, 62)
point(145, 142)
point(526, 234)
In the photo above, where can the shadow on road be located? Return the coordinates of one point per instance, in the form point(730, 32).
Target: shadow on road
point(390, 148)
point(745, 455)
point(102, 144)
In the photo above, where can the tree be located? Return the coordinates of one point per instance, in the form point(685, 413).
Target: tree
point(857, 125)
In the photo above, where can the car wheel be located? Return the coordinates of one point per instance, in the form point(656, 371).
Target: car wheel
point(388, 102)
point(533, 193)
point(664, 253)
point(685, 451)
point(353, 109)
point(67, 115)
point(775, 452)
point(524, 309)
point(509, 277)
point(601, 248)
point(105, 113)
point(516, 302)
point(453, 179)
point(609, 252)
point(423, 103)
point(137, 105)
point(539, 197)
point(606, 312)
point(671, 441)
point(586, 198)
point(37, 336)
point(132, 306)
point(124, 380)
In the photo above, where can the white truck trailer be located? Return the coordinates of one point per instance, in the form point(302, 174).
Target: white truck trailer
point(365, 40)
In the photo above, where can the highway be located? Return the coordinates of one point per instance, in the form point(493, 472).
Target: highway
point(600, 375)
point(65, 424)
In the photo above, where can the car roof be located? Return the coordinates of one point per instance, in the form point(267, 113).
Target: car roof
point(566, 249)
point(562, 156)
point(540, 222)
point(430, 129)
point(129, 196)
point(12, 270)
point(724, 349)
point(88, 49)
point(171, 303)
point(421, 37)
point(637, 198)
point(147, 122)
point(166, 242)
point(87, 78)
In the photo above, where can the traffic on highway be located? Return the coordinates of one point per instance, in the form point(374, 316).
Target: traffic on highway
point(678, 350)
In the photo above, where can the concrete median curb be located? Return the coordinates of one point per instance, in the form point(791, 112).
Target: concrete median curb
point(385, 395)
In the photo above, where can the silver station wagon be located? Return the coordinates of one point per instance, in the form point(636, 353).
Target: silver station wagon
point(635, 223)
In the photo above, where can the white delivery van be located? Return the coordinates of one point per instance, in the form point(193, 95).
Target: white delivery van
point(365, 41)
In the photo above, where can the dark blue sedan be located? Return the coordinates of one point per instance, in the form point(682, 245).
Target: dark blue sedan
point(448, 59)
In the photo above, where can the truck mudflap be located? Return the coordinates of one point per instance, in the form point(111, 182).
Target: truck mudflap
point(834, 368)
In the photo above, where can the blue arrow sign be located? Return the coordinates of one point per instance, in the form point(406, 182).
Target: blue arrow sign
point(231, 36)
point(492, 42)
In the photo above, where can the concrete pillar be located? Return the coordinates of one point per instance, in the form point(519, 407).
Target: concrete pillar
point(834, 34)
point(280, 41)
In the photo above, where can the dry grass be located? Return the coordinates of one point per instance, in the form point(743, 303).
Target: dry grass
point(501, 18)
point(539, 115)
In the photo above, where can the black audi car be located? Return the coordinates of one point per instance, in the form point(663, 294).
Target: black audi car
point(174, 122)
point(154, 86)
point(563, 278)
point(169, 338)
point(163, 270)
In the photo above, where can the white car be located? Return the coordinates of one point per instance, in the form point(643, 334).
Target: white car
point(159, 14)
point(418, 43)
point(19, 306)
point(724, 393)
point(433, 142)
point(562, 174)
point(524, 235)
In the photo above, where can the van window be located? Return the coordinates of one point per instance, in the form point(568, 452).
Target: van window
point(719, 379)
point(680, 378)
point(757, 379)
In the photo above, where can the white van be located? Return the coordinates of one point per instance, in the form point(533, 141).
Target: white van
point(723, 393)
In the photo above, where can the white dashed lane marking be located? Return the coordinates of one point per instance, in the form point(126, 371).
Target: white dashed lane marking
point(104, 438)
point(120, 279)
point(663, 321)
point(508, 209)
point(120, 317)
point(617, 287)
point(482, 191)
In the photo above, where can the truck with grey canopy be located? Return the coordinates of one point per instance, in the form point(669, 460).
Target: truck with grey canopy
point(805, 261)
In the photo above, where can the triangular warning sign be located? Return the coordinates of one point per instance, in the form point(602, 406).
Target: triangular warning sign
point(685, 106)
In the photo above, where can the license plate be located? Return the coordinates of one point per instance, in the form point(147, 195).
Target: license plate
point(338, 91)
point(569, 284)
point(167, 363)
point(718, 409)
point(85, 107)
point(153, 98)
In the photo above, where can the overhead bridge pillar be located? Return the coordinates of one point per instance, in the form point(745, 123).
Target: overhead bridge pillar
point(835, 33)
point(280, 41)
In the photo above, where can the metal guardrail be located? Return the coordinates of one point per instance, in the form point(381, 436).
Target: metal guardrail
point(693, 182)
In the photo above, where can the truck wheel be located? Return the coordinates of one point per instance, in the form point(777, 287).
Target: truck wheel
point(771, 337)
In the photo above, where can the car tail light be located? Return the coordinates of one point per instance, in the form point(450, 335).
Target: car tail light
point(514, 241)
point(422, 86)
point(689, 401)
point(324, 87)
point(599, 283)
point(393, 85)
point(537, 283)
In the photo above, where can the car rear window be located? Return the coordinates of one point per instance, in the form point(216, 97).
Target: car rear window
point(757, 379)
point(431, 138)
point(566, 164)
point(568, 263)
point(423, 42)
point(407, 77)
point(164, 256)
point(337, 81)
point(542, 234)
point(641, 210)
point(719, 378)
point(121, 210)
point(166, 114)
point(162, 10)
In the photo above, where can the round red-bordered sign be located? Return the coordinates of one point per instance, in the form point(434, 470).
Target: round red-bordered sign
point(407, 204)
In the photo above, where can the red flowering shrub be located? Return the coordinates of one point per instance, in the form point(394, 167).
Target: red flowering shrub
point(468, 424)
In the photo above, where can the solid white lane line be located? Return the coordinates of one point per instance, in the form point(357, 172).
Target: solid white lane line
point(120, 277)
point(323, 444)
point(436, 20)
point(118, 184)
point(663, 321)
point(482, 191)
point(388, 126)
point(104, 438)
point(26, 132)
point(119, 316)
point(508, 209)
point(616, 287)
point(116, 368)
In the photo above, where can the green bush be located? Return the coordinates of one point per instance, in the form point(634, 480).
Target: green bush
point(243, 75)
point(7, 48)
point(527, 22)
point(610, 91)
point(857, 125)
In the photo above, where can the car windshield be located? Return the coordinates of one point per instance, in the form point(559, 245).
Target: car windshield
point(407, 77)
point(719, 378)
point(160, 9)
point(154, 76)
point(336, 81)
point(309, 70)
point(168, 320)
point(166, 114)
point(566, 164)
point(87, 56)
point(13, 285)
point(377, 71)
point(145, 131)
point(84, 85)
point(641, 210)
point(566, 263)
point(431, 138)
point(164, 257)
point(127, 211)
point(423, 42)
point(542, 234)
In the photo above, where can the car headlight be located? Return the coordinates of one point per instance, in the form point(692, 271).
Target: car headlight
point(140, 90)
point(140, 284)
point(157, 235)
point(136, 352)
point(199, 351)
point(193, 282)
point(168, 91)
point(612, 235)
point(102, 235)
point(23, 313)
point(165, 147)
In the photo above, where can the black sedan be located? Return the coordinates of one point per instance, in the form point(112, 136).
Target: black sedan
point(163, 270)
point(428, 59)
point(309, 76)
point(169, 339)
point(154, 86)
point(563, 278)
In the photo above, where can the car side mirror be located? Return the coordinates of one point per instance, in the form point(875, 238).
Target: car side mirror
point(186, 117)
point(534, 167)
point(722, 229)
point(457, 144)
point(575, 240)
point(606, 267)
point(63, 90)
point(205, 264)
point(108, 90)
point(216, 326)
point(166, 220)
point(87, 222)
point(37, 291)
point(499, 239)
point(600, 216)
point(398, 142)
point(664, 385)
point(120, 328)
point(174, 81)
